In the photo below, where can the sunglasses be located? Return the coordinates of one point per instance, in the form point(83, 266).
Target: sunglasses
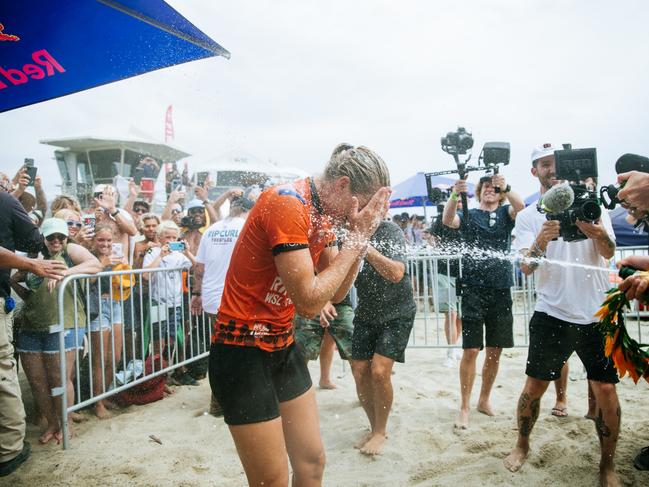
point(141, 209)
point(56, 236)
point(175, 212)
point(492, 218)
point(72, 223)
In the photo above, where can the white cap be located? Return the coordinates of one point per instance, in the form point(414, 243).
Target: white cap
point(100, 188)
point(542, 151)
point(195, 203)
point(54, 225)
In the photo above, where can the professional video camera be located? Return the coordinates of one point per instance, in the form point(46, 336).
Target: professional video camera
point(493, 155)
point(574, 201)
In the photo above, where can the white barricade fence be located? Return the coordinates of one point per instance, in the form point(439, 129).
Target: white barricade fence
point(143, 326)
point(434, 281)
point(138, 326)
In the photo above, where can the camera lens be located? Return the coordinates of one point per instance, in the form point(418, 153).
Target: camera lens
point(590, 211)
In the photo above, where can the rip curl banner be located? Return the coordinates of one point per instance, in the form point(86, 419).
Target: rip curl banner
point(53, 48)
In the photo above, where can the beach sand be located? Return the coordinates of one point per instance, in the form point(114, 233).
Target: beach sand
point(423, 448)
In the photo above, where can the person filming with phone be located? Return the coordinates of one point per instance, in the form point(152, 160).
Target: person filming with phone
point(167, 287)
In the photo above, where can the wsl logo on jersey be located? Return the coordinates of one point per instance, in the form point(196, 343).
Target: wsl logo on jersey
point(277, 295)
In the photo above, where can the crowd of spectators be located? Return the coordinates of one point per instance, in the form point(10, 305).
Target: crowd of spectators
point(155, 317)
point(110, 322)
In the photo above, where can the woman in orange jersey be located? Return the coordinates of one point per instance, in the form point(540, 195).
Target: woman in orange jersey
point(285, 261)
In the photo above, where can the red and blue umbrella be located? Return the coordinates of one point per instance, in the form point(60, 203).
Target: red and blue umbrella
point(53, 48)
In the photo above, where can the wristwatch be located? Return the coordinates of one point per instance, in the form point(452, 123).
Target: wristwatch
point(206, 202)
point(507, 189)
point(115, 213)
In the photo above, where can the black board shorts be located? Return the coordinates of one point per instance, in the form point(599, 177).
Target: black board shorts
point(552, 342)
point(388, 339)
point(250, 383)
point(487, 312)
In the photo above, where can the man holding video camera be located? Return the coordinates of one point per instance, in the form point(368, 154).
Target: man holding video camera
point(486, 283)
point(567, 298)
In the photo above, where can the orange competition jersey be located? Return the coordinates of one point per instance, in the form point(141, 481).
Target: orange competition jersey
point(255, 309)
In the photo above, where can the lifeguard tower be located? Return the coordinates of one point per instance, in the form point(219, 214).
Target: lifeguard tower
point(87, 161)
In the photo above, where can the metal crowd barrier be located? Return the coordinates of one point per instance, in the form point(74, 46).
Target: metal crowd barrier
point(430, 273)
point(145, 321)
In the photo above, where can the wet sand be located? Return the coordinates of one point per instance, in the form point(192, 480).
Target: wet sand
point(423, 448)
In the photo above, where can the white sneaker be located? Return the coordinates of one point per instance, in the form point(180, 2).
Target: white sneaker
point(449, 363)
point(457, 353)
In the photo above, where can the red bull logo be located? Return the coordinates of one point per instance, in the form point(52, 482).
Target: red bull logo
point(44, 65)
point(7, 37)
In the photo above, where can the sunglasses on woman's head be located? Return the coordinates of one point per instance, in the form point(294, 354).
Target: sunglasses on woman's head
point(56, 236)
point(492, 218)
point(73, 223)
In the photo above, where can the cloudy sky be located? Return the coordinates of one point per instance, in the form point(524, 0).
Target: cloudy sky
point(395, 76)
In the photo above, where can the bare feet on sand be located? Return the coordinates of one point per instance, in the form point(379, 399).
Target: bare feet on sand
point(462, 421)
point(77, 417)
point(101, 412)
point(608, 477)
point(374, 445)
point(515, 460)
point(327, 384)
point(48, 434)
point(485, 408)
point(365, 438)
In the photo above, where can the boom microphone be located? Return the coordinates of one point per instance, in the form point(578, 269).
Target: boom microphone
point(632, 162)
point(558, 198)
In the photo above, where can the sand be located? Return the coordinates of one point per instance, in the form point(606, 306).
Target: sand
point(423, 448)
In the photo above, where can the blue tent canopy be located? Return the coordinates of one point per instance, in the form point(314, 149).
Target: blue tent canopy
point(625, 233)
point(53, 48)
point(413, 192)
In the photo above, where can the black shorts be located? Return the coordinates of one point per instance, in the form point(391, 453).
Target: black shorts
point(249, 383)
point(389, 339)
point(491, 310)
point(552, 342)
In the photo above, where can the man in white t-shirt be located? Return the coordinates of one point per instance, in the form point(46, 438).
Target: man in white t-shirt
point(563, 320)
point(213, 260)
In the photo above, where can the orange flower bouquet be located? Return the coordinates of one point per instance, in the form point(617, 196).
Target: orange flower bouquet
point(628, 355)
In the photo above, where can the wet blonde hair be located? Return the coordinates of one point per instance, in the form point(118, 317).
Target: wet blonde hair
point(366, 171)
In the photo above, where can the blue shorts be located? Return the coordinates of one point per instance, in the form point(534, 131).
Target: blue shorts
point(46, 342)
point(105, 320)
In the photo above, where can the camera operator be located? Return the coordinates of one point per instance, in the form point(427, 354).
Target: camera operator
point(486, 283)
point(562, 323)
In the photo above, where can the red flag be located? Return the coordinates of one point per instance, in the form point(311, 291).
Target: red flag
point(169, 125)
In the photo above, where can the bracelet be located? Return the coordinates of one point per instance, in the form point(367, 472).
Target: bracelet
point(206, 202)
point(507, 189)
point(115, 213)
point(453, 196)
point(196, 293)
point(536, 250)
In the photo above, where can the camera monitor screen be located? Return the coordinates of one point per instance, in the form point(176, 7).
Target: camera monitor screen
point(576, 164)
